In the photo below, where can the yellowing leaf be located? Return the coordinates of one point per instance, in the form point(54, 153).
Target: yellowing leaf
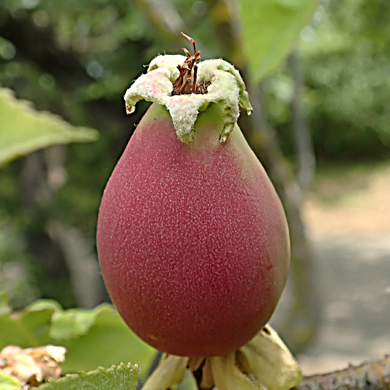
point(270, 29)
point(24, 130)
point(8, 382)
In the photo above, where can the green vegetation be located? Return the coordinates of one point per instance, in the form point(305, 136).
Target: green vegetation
point(345, 58)
point(74, 60)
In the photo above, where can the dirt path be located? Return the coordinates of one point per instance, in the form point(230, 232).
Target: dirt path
point(353, 203)
point(348, 219)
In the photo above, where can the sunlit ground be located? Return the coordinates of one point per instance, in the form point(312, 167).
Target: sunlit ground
point(351, 201)
point(348, 217)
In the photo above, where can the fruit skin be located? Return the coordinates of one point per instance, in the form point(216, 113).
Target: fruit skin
point(192, 238)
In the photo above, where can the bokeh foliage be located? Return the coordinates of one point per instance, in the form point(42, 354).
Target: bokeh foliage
point(345, 55)
point(77, 58)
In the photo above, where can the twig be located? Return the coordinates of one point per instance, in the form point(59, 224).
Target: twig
point(303, 141)
point(372, 375)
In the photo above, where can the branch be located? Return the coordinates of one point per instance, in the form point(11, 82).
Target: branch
point(223, 13)
point(303, 318)
point(163, 15)
point(303, 142)
point(168, 22)
point(373, 375)
point(302, 321)
point(82, 263)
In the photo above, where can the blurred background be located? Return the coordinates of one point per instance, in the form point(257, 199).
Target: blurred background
point(321, 127)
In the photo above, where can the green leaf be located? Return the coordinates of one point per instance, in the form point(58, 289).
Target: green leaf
point(72, 323)
point(270, 29)
point(97, 337)
point(44, 304)
point(108, 341)
point(4, 304)
point(9, 382)
point(122, 377)
point(25, 329)
point(24, 130)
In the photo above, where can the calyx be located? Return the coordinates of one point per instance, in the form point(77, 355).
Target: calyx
point(210, 81)
point(264, 363)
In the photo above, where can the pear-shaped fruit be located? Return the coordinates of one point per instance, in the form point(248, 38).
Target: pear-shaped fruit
point(192, 238)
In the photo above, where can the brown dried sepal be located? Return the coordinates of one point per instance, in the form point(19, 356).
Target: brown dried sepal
point(187, 83)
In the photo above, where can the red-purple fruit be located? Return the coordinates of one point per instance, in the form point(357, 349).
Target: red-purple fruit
point(192, 238)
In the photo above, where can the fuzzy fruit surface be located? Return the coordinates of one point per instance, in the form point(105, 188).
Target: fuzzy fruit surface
point(192, 238)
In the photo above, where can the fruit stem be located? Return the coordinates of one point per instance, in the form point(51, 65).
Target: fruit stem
point(264, 363)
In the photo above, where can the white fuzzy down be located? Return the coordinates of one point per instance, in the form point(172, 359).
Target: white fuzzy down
point(227, 88)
